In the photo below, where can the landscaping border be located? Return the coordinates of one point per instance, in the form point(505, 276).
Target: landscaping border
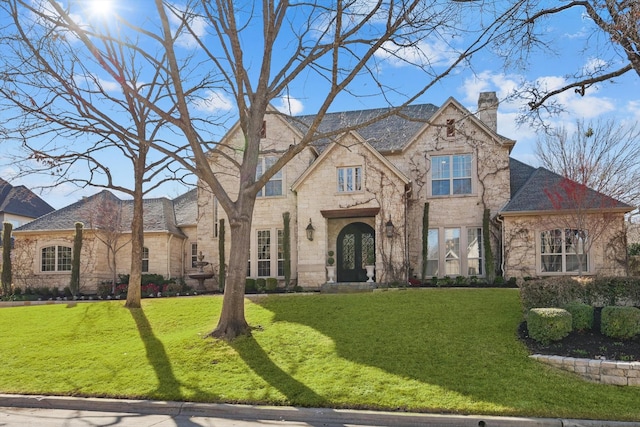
point(613, 372)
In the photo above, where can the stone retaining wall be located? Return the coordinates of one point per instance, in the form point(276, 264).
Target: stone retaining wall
point(602, 371)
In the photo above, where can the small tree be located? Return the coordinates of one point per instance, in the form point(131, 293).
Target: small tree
point(425, 242)
point(489, 262)
point(222, 270)
point(7, 227)
point(286, 248)
point(75, 260)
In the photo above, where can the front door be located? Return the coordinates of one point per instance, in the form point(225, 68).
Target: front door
point(355, 241)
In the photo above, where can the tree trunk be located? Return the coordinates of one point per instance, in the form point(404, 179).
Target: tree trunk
point(137, 243)
point(232, 322)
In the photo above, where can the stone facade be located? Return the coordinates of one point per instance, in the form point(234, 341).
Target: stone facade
point(364, 192)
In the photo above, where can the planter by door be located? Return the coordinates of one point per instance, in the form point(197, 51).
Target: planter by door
point(331, 273)
point(354, 242)
point(370, 272)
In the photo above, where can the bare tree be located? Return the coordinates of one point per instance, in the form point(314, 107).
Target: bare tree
point(199, 55)
point(614, 33)
point(69, 119)
point(602, 156)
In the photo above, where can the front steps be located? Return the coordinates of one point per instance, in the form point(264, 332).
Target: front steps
point(347, 287)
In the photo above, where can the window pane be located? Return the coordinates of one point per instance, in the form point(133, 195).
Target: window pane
point(433, 255)
point(462, 186)
point(440, 188)
point(441, 167)
point(474, 251)
point(452, 251)
point(264, 253)
point(349, 179)
point(49, 258)
point(462, 166)
point(64, 258)
point(358, 183)
point(280, 253)
point(340, 180)
point(551, 263)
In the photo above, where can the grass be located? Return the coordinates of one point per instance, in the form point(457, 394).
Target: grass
point(433, 350)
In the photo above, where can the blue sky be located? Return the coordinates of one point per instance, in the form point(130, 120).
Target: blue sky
point(569, 34)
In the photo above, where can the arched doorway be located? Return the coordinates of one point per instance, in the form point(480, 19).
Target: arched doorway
point(355, 241)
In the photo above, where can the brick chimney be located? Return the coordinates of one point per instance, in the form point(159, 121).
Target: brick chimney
point(488, 109)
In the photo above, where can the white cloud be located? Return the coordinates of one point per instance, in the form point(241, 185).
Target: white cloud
point(289, 105)
point(214, 102)
point(197, 24)
point(422, 54)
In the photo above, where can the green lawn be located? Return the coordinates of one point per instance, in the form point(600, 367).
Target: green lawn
point(434, 350)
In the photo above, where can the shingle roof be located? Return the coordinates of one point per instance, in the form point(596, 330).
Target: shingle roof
point(542, 190)
point(387, 134)
point(160, 214)
point(21, 201)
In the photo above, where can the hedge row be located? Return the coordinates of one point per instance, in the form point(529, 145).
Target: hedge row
point(594, 291)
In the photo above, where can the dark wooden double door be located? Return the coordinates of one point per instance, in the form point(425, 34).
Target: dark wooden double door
point(355, 241)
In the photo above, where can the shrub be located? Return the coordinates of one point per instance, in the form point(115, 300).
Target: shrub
point(620, 322)
point(261, 284)
point(581, 315)
point(104, 289)
point(595, 291)
point(250, 286)
point(272, 284)
point(548, 324)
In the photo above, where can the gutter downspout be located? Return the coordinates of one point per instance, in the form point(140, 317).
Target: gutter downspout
point(502, 237)
point(407, 190)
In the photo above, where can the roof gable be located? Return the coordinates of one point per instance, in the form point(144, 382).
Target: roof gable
point(337, 145)
point(21, 201)
point(534, 190)
point(160, 214)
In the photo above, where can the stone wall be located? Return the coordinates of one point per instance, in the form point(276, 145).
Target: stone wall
point(602, 371)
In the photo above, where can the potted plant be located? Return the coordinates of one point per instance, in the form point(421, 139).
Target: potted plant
point(370, 264)
point(331, 269)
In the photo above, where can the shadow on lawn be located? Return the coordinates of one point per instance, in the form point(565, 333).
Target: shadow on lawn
point(169, 387)
point(260, 362)
point(462, 340)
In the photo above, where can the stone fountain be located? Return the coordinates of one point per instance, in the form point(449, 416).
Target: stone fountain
point(201, 275)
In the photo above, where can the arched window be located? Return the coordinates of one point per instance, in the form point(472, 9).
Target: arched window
point(55, 258)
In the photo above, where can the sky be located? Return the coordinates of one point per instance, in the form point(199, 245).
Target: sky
point(617, 100)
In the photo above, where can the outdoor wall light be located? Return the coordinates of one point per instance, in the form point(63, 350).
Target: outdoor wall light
point(389, 228)
point(310, 230)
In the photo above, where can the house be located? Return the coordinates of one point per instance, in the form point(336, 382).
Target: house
point(42, 254)
point(19, 205)
point(366, 194)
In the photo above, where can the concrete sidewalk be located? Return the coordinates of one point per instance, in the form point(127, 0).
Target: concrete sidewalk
point(313, 416)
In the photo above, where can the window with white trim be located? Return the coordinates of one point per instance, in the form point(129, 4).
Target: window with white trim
point(455, 251)
point(145, 260)
point(216, 220)
point(474, 252)
point(55, 258)
point(451, 175)
point(563, 251)
point(194, 255)
point(264, 253)
point(281, 253)
point(349, 179)
point(274, 186)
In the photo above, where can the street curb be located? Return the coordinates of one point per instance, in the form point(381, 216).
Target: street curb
point(289, 413)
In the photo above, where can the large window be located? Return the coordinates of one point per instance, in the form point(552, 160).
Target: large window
point(216, 220)
point(432, 252)
point(474, 252)
point(145, 260)
point(280, 253)
point(56, 258)
point(274, 186)
point(451, 175)
point(455, 251)
point(563, 251)
point(264, 253)
point(349, 179)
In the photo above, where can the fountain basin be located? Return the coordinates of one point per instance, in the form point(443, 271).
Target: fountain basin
point(201, 277)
